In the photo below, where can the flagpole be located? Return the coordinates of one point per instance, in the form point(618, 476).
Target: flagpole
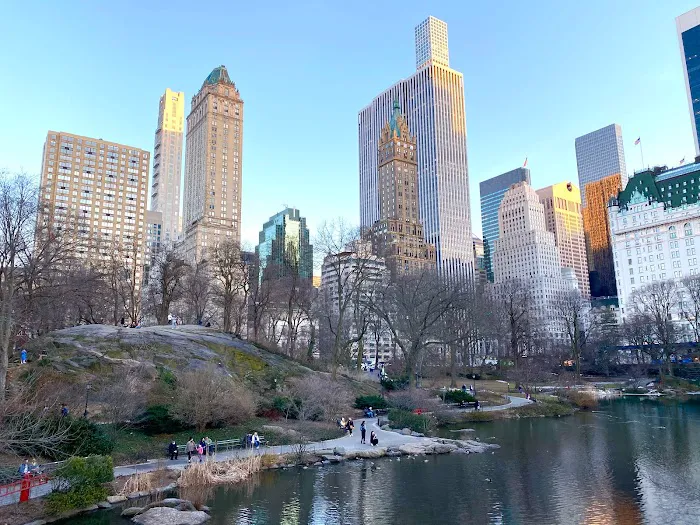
point(641, 152)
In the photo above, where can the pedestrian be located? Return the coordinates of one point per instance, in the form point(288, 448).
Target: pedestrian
point(24, 468)
point(64, 410)
point(210, 446)
point(190, 448)
point(363, 431)
point(172, 450)
point(203, 444)
point(373, 439)
point(23, 356)
point(464, 388)
point(34, 467)
point(200, 452)
point(256, 440)
point(350, 426)
point(343, 424)
point(170, 318)
point(249, 440)
point(122, 322)
point(476, 405)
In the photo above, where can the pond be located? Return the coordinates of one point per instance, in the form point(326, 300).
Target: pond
point(630, 461)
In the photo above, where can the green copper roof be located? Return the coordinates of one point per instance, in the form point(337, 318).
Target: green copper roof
point(393, 123)
point(218, 76)
point(673, 188)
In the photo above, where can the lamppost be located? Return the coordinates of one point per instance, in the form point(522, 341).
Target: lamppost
point(87, 394)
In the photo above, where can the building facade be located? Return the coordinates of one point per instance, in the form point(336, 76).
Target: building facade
point(167, 163)
point(600, 154)
point(688, 29)
point(526, 251)
point(655, 229)
point(398, 234)
point(491, 193)
point(433, 103)
point(601, 268)
point(213, 165)
point(284, 246)
point(562, 210)
point(479, 263)
point(98, 188)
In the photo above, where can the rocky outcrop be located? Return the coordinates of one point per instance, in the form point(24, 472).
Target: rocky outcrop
point(170, 516)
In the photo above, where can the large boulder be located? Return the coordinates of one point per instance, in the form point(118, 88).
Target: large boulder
point(406, 431)
point(441, 448)
point(412, 449)
point(173, 503)
point(369, 453)
point(168, 516)
point(116, 499)
point(339, 451)
point(132, 511)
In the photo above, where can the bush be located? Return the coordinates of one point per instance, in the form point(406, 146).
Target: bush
point(157, 419)
point(375, 401)
point(405, 419)
point(457, 396)
point(413, 399)
point(82, 438)
point(395, 384)
point(584, 400)
point(79, 483)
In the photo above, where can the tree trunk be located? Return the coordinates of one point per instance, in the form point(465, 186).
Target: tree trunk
point(453, 366)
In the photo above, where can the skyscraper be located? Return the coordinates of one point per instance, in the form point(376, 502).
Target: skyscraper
point(600, 154)
point(433, 104)
point(562, 211)
point(167, 163)
point(213, 165)
point(398, 234)
point(688, 29)
point(284, 245)
point(491, 192)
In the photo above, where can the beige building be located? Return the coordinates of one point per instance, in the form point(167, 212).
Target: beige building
point(98, 186)
point(213, 165)
point(167, 163)
point(398, 234)
point(562, 211)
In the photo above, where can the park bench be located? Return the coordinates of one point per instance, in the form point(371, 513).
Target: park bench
point(222, 445)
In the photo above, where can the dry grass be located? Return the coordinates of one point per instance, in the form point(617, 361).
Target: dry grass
point(140, 482)
point(216, 473)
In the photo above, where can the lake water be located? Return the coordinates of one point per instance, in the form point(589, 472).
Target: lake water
point(632, 461)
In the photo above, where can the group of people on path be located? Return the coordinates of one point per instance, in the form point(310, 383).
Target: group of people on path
point(348, 426)
point(33, 468)
point(204, 448)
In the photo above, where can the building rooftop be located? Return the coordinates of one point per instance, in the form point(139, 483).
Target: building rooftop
point(675, 187)
point(218, 76)
point(394, 126)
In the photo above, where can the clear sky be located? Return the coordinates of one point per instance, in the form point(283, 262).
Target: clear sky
point(537, 75)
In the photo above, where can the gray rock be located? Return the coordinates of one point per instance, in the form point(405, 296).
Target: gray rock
point(393, 453)
point(370, 453)
point(417, 434)
point(132, 511)
point(204, 508)
point(385, 427)
point(104, 504)
point(116, 499)
point(318, 464)
point(168, 516)
point(406, 431)
point(334, 459)
point(37, 522)
point(89, 508)
point(339, 451)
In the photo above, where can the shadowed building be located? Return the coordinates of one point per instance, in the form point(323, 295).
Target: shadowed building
point(398, 234)
point(213, 165)
point(284, 246)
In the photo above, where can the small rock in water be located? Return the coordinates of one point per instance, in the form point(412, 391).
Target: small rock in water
point(398, 459)
point(488, 480)
point(425, 461)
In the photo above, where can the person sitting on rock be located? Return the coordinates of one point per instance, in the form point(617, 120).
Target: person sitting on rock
point(373, 439)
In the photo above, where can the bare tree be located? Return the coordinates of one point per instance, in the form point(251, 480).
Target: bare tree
point(226, 270)
point(166, 283)
point(197, 289)
point(656, 302)
point(572, 311)
point(513, 300)
point(690, 309)
point(637, 332)
point(317, 397)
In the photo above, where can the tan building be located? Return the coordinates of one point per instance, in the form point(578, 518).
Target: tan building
point(597, 231)
point(213, 165)
point(562, 210)
point(398, 234)
point(167, 163)
point(98, 188)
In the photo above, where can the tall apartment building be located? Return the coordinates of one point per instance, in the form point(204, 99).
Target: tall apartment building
point(491, 194)
point(479, 263)
point(213, 165)
point(98, 188)
point(562, 210)
point(688, 29)
point(167, 163)
point(526, 251)
point(398, 234)
point(655, 230)
point(597, 231)
point(284, 245)
point(433, 103)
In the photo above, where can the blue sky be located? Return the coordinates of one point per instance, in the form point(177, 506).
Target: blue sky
point(537, 75)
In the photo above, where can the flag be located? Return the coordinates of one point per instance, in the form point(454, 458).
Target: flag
point(682, 161)
point(639, 139)
point(525, 163)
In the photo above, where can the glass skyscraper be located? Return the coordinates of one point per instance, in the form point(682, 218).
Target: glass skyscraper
point(600, 154)
point(491, 193)
point(432, 100)
point(688, 29)
point(284, 245)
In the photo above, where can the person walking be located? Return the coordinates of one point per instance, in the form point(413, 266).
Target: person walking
point(190, 448)
point(23, 356)
point(200, 452)
point(373, 439)
point(363, 432)
point(350, 425)
point(172, 450)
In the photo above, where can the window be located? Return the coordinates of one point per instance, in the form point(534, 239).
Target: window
point(672, 232)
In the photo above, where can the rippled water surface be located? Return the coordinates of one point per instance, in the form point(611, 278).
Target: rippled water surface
point(632, 461)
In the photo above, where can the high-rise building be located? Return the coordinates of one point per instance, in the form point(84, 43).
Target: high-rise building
point(688, 29)
point(597, 230)
point(526, 251)
point(98, 189)
point(284, 245)
point(479, 263)
point(654, 226)
point(491, 192)
point(562, 211)
point(213, 165)
point(433, 103)
point(398, 234)
point(600, 154)
point(167, 163)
